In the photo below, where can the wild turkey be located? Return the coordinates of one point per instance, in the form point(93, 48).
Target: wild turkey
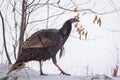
point(44, 44)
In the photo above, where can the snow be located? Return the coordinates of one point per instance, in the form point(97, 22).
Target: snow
point(30, 74)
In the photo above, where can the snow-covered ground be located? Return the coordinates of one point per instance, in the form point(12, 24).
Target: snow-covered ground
point(29, 74)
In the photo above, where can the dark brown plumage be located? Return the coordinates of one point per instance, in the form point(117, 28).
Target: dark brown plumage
point(44, 44)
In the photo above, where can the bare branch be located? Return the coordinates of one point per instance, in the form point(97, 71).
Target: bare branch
point(115, 7)
point(4, 39)
point(13, 7)
point(15, 26)
point(36, 6)
point(33, 8)
point(87, 10)
point(46, 18)
point(31, 3)
point(23, 26)
point(80, 3)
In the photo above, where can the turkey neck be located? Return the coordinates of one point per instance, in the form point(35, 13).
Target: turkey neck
point(66, 29)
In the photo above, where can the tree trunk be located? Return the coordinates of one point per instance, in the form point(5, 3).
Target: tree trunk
point(23, 26)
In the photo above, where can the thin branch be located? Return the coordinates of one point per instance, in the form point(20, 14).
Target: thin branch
point(115, 7)
point(4, 39)
point(28, 17)
point(38, 4)
point(33, 8)
point(87, 10)
point(31, 3)
point(15, 26)
point(80, 3)
point(47, 14)
point(15, 8)
point(46, 18)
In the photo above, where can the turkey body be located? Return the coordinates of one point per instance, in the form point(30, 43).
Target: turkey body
point(44, 45)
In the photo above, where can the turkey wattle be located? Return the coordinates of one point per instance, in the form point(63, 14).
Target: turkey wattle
point(44, 44)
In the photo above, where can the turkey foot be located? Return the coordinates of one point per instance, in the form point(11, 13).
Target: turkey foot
point(43, 74)
point(65, 73)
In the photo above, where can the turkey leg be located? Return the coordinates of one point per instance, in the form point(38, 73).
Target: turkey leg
point(55, 63)
point(64, 73)
point(41, 72)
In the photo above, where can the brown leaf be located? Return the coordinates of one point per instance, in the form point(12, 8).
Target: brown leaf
point(86, 35)
point(76, 25)
point(83, 33)
point(99, 22)
point(78, 29)
point(77, 16)
point(81, 28)
point(58, 2)
point(95, 19)
point(79, 32)
point(75, 9)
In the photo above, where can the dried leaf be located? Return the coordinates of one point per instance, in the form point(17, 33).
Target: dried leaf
point(76, 25)
point(86, 35)
point(79, 32)
point(81, 28)
point(75, 9)
point(115, 72)
point(77, 16)
point(58, 2)
point(83, 32)
point(78, 29)
point(99, 22)
point(95, 19)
